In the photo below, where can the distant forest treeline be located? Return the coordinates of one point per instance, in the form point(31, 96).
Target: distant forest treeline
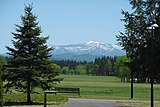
point(101, 66)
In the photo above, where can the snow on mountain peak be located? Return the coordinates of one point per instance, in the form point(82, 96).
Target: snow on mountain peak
point(116, 47)
point(95, 44)
point(91, 47)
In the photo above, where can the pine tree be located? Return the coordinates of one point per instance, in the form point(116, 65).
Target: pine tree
point(30, 66)
point(1, 90)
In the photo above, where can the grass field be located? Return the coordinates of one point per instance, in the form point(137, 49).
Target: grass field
point(105, 87)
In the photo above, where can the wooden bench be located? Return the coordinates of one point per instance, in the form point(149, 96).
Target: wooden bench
point(67, 90)
point(60, 90)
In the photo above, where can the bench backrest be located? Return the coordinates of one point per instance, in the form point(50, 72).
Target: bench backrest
point(63, 89)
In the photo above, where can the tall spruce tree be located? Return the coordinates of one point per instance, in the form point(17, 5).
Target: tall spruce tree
point(29, 66)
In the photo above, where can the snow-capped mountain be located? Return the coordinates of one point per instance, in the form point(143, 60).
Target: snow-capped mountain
point(91, 48)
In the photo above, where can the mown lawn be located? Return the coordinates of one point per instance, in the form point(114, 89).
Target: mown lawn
point(137, 104)
point(98, 87)
point(19, 99)
point(105, 87)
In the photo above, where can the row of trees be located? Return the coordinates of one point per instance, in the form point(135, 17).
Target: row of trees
point(68, 63)
point(102, 66)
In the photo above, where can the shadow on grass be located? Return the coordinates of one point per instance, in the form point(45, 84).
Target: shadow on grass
point(21, 103)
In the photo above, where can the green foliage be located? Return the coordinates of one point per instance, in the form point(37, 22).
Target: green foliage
point(3, 60)
point(54, 67)
point(92, 69)
point(106, 65)
point(109, 65)
point(29, 66)
point(142, 48)
point(101, 66)
point(65, 70)
point(68, 63)
point(1, 89)
point(80, 70)
point(122, 71)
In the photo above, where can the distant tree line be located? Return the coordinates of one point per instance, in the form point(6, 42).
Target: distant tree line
point(102, 66)
point(68, 63)
point(106, 65)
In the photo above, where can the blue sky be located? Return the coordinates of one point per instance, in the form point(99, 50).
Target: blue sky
point(66, 21)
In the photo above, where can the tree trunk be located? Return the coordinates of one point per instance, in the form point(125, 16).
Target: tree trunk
point(28, 89)
point(131, 84)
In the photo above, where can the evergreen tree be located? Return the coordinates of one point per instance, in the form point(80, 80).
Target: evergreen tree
point(29, 66)
point(2, 62)
point(108, 66)
point(92, 68)
point(1, 90)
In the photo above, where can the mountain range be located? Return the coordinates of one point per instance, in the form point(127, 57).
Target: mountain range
point(86, 51)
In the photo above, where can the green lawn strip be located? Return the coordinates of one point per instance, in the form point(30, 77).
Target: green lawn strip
point(86, 78)
point(137, 104)
point(20, 98)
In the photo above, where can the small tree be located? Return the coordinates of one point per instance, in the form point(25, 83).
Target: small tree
point(29, 66)
point(65, 70)
point(80, 70)
point(122, 71)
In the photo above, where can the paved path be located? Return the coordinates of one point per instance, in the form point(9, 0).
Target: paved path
point(89, 103)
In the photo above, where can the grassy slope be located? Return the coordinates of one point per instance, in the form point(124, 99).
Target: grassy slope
point(104, 87)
